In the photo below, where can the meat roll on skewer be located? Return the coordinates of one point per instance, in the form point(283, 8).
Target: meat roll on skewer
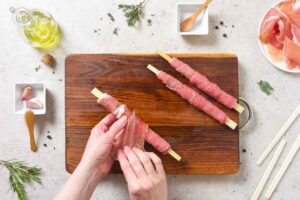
point(193, 97)
point(136, 130)
point(202, 82)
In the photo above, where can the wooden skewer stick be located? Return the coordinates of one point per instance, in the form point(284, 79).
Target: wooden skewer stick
point(153, 69)
point(238, 107)
point(231, 124)
point(174, 155)
point(289, 158)
point(279, 135)
point(268, 171)
point(164, 55)
point(99, 95)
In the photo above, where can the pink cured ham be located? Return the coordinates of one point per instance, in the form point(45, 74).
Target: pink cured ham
point(287, 8)
point(137, 129)
point(192, 97)
point(203, 83)
point(274, 28)
point(280, 31)
point(291, 52)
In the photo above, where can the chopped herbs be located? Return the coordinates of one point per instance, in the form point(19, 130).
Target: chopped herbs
point(111, 17)
point(37, 68)
point(265, 87)
point(132, 12)
point(116, 31)
point(19, 175)
point(149, 22)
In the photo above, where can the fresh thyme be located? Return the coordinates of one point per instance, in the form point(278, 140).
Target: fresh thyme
point(149, 22)
point(19, 175)
point(111, 17)
point(265, 87)
point(133, 12)
point(37, 68)
point(116, 31)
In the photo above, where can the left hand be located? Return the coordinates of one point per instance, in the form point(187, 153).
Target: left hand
point(98, 155)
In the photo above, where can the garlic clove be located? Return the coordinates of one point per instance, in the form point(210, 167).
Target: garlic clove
point(34, 103)
point(27, 94)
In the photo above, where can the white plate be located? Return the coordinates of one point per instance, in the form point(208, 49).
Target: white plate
point(184, 10)
point(39, 91)
point(280, 65)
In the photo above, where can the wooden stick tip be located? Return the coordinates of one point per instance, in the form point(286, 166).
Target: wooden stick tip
point(174, 155)
point(231, 124)
point(238, 107)
point(164, 55)
point(97, 93)
point(153, 69)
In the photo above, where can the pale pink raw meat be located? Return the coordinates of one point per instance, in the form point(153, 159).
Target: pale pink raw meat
point(274, 28)
point(203, 83)
point(291, 52)
point(280, 31)
point(137, 130)
point(192, 97)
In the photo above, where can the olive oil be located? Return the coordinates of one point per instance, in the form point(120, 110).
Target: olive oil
point(38, 27)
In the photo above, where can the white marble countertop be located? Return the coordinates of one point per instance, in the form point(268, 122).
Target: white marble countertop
point(78, 20)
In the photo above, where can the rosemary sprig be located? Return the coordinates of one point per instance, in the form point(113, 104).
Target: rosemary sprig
point(20, 174)
point(132, 12)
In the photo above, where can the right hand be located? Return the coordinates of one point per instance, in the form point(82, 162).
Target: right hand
point(144, 174)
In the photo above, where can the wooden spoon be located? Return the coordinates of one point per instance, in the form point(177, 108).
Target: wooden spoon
point(29, 117)
point(189, 22)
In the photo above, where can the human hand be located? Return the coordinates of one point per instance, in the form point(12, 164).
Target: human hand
point(98, 155)
point(144, 174)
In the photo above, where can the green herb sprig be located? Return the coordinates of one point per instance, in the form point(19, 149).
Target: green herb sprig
point(265, 87)
point(111, 17)
point(132, 12)
point(19, 175)
point(116, 31)
point(149, 22)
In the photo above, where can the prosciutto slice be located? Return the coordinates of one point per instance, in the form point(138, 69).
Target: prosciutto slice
point(201, 82)
point(136, 130)
point(280, 31)
point(291, 52)
point(274, 28)
point(192, 97)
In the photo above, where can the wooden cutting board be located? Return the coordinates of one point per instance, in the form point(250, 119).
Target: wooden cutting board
point(206, 146)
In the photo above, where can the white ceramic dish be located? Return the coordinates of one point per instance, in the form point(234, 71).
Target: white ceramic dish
point(39, 91)
point(184, 10)
point(280, 65)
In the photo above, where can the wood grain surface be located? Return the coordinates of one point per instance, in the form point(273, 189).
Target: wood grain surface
point(206, 146)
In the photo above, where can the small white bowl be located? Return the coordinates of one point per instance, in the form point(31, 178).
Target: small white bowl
point(184, 10)
point(280, 65)
point(39, 92)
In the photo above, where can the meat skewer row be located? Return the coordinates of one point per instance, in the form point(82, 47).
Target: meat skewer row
point(201, 82)
point(111, 104)
point(193, 97)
